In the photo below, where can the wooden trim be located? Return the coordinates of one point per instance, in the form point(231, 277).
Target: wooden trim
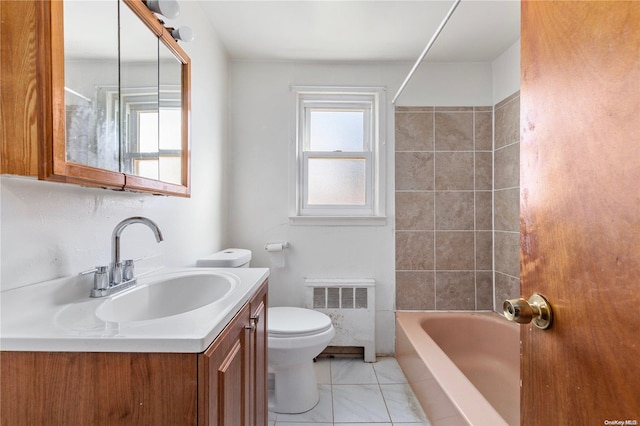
point(53, 59)
point(142, 184)
point(186, 124)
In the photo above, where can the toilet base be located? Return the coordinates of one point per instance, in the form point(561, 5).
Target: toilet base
point(295, 389)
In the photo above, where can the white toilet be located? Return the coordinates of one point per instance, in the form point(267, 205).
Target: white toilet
point(295, 337)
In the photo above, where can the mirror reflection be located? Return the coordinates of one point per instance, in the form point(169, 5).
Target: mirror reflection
point(123, 93)
point(91, 81)
point(170, 122)
point(138, 94)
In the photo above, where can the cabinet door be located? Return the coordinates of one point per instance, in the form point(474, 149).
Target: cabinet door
point(223, 376)
point(258, 345)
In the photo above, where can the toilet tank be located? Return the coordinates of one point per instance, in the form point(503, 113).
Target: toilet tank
point(227, 258)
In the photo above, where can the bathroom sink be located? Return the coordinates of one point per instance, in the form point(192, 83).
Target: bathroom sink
point(167, 295)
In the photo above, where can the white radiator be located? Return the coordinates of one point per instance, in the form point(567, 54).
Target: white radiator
point(351, 304)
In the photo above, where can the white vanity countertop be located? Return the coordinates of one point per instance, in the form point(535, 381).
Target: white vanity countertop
point(59, 316)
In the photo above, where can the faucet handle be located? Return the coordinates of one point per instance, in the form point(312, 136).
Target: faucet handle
point(100, 280)
point(128, 270)
point(97, 270)
point(116, 273)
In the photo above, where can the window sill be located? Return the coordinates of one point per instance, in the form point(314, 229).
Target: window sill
point(338, 220)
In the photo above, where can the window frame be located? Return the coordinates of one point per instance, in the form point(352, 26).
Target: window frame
point(371, 101)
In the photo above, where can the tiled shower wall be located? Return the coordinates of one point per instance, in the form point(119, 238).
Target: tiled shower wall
point(506, 200)
point(443, 208)
point(444, 215)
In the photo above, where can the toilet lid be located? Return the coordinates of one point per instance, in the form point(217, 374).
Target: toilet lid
point(288, 321)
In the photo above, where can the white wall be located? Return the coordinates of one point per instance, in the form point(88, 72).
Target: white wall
point(447, 84)
point(51, 230)
point(505, 71)
point(262, 127)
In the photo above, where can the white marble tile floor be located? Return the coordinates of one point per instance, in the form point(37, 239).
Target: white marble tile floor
point(356, 393)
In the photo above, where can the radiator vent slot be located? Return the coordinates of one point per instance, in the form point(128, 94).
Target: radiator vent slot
point(351, 305)
point(340, 298)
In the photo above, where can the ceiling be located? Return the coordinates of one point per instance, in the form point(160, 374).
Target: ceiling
point(364, 30)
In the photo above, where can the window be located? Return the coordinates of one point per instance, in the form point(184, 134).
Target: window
point(339, 160)
point(159, 145)
point(152, 135)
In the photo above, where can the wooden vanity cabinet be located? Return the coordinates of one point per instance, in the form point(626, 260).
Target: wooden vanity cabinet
point(232, 388)
point(225, 385)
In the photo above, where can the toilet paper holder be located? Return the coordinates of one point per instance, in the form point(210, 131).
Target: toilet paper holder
point(276, 246)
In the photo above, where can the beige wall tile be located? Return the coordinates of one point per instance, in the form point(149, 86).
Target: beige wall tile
point(507, 209)
point(507, 125)
point(484, 290)
point(454, 250)
point(483, 131)
point(507, 167)
point(453, 108)
point(414, 211)
point(507, 253)
point(455, 290)
point(454, 170)
point(414, 131)
point(414, 171)
point(414, 250)
point(454, 210)
point(415, 290)
point(454, 131)
point(414, 108)
point(483, 171)
point(484, 250)
point(484, 214)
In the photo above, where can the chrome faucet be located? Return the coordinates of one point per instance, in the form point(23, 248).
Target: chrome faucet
point(117, 270)
point(120, 274)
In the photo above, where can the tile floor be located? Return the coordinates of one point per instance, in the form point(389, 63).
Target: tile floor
point(355, 393)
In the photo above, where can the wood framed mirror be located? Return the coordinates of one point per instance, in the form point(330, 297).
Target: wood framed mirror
point(78, 77)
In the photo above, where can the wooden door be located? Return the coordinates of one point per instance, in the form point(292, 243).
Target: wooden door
point(580, 210)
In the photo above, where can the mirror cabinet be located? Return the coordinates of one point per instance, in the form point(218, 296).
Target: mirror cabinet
point(94, 93)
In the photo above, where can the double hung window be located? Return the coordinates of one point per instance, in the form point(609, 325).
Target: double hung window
point(338, 154)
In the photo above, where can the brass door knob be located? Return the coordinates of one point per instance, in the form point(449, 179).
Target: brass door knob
point(537, 310)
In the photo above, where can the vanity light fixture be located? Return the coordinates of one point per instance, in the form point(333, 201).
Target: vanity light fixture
point(184, 33)
point(170, 9)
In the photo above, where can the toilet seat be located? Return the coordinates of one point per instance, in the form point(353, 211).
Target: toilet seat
point(287, 322)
